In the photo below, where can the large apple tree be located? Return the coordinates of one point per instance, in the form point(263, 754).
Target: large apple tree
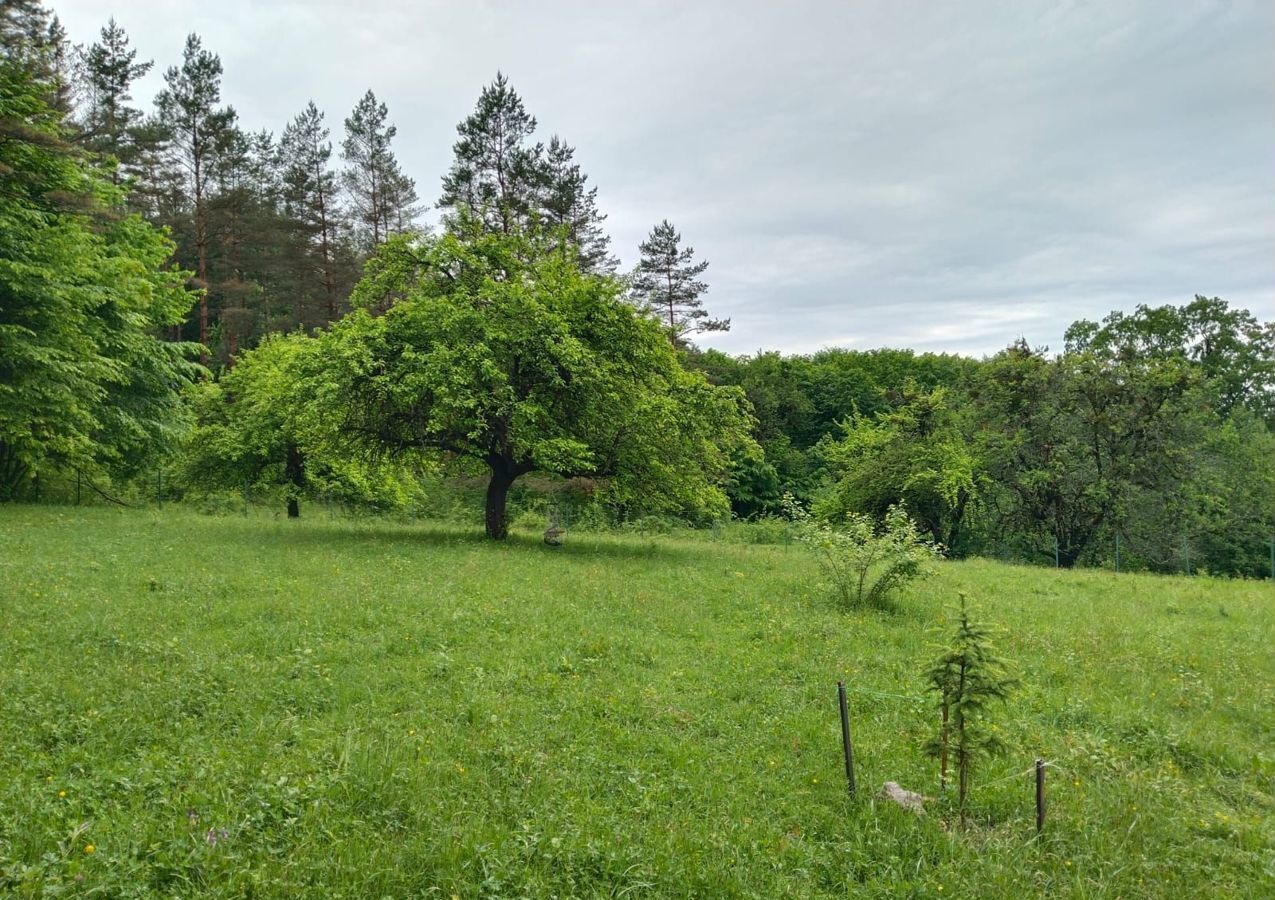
point(494, 349)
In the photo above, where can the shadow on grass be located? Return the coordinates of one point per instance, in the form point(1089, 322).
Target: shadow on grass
point(576, 546)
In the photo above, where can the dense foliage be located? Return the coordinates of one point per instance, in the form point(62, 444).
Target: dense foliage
point(85, 384)
point(500, 352)
point(1149, 435)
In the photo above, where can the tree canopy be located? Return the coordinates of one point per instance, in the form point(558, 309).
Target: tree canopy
point(501, 353)
point(84, 290)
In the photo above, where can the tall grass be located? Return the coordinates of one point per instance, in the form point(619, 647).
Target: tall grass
point(225, 707)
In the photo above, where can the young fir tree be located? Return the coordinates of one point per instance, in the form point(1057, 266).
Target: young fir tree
point(109, 126)
point(497, 172)
point(569, 206)
point(382, 198)
point(667, 283)
point(195, 127)
point(313, 214)
point(967, 676)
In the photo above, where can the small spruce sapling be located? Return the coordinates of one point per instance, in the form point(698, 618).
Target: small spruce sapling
point(968, 676)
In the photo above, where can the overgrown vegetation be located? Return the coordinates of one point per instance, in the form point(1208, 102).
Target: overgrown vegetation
point(866, 564)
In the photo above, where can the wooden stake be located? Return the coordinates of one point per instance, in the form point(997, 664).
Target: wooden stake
point(1040, 796)
point(845, 736)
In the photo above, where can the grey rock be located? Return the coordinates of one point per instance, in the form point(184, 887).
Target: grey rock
point(906, 799)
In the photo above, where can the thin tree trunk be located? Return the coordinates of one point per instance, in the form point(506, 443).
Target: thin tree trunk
point(943, 749)
point(325, 248)
point(295, 471)
point(201, 245)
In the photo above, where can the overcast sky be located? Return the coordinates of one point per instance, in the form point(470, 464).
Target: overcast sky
point(942, 176)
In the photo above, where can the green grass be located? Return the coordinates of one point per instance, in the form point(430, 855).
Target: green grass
point(368, 710)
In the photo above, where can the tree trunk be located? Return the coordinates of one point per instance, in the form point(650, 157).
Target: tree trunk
point(201, 247)
point(943, 749)
point(294, 468)
point(497, 495)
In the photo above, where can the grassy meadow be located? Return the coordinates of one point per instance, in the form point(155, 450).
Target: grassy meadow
point(201, 706)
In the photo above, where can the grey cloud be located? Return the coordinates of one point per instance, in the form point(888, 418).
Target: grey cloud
point(946, 176)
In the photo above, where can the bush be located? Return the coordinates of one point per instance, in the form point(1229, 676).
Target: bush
point(866, 564)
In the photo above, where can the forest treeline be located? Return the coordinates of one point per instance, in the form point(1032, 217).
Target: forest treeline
point(180, 295)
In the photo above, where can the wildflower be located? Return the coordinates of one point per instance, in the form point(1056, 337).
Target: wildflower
point(61, 793)
point(89, 848)
point(192, 816)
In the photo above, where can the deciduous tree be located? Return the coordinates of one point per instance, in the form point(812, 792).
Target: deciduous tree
point(503, 354)
point(84, 383)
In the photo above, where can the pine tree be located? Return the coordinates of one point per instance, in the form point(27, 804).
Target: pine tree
point(383, 199)
point(667, 284)
point(232, 207)
point(59, 55)
point(109, 126)
point(967, 676)
point(497, 174)
point(196, 127)
point(33, 37)
point(503, 180)
point(310, 204)
point(569, 205)
point(24, 28)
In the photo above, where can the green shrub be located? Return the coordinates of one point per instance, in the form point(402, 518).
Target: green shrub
point(866, 564)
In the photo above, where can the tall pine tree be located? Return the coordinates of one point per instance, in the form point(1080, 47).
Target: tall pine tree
point(316, 244)
point(383, 199)
point(196, 127)
point(509, 183)
point(497, 173)
point(109, 126)
point(667, 284)
point(569, 206)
